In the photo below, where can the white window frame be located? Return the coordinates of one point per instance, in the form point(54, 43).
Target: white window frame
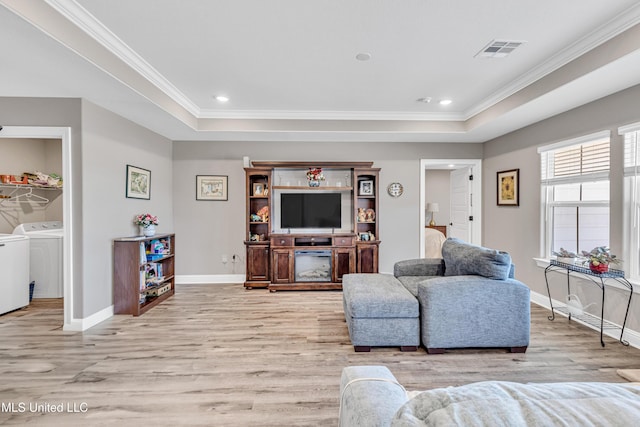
point(631, 201)
point(547, 186)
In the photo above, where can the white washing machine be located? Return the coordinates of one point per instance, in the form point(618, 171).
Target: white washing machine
point(45, 254)
point(14, 272)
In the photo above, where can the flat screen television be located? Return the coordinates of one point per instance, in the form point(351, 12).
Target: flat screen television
point(310, 210)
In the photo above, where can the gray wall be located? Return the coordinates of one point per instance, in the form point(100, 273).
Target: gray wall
point(518, 150)
point(214, 229)
point(109, 143)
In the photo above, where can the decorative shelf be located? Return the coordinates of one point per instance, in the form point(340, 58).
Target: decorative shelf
point(34, 186)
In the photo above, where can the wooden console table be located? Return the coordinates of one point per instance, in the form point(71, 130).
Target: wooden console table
point(599, 279)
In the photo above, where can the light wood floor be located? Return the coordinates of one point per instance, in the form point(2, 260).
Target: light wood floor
point(222, 356)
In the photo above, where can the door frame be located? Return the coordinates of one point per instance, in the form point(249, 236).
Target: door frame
point(476, 188)
point(63, 134)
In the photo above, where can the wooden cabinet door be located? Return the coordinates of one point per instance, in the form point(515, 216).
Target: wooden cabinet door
point(282, 266)
point(344, 261)
point(367, 258)
point(258, 263)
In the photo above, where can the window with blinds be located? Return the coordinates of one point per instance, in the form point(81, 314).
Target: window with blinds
point(575, 189)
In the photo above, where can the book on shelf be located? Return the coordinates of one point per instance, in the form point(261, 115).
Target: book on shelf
point(155, 281)
point(151, 270)
point(143, 253)
point(143, 280)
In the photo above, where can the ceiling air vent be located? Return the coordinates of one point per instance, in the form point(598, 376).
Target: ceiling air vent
point(499, 48)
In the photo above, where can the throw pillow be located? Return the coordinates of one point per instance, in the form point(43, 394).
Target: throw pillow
point(461, 258)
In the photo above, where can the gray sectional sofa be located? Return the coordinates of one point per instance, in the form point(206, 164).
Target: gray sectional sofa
point(467, 299)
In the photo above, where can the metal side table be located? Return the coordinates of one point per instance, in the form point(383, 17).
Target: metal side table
point(599, 279)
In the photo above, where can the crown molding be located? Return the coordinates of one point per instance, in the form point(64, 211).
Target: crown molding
point(616, 26)
point(327, 115)
point(78, 16)
point(85, 21)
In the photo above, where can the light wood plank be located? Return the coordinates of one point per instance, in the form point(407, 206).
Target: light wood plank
point(219, 355)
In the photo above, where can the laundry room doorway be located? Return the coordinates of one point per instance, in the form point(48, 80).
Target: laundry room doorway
point(27, 204)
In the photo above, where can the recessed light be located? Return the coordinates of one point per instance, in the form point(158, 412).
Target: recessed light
point(445, 102)
point(363, 56)
point(222, 98)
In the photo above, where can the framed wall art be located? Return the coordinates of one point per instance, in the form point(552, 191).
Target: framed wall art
point(509, 188)
point(212, 187)
point(138, 183)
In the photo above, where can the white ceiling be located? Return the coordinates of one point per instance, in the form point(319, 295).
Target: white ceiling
point(289, 66)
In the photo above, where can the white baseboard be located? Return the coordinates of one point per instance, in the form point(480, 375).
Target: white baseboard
point(79, 325)
point(207, 279)
point(633, 337)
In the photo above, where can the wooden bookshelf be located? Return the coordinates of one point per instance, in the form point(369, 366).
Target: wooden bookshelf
point(140, 274)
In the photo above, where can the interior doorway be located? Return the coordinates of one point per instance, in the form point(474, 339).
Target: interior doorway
point(459, 208)
point(63, 134)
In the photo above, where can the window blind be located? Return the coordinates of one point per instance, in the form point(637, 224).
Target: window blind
point(577, 163)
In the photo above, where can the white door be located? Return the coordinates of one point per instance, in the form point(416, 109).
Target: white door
point(460, 225)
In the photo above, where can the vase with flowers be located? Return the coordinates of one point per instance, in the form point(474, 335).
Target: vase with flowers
point(599, 259)
point(147, 223)
point(314, 176)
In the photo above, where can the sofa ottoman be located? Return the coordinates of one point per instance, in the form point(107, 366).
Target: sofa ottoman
point(380, 312)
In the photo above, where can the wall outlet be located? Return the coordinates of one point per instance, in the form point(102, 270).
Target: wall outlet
point(225, 259)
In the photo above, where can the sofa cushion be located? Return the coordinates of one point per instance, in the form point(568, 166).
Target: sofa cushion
point(411, 282)
point(461, 258)
point(377, 296)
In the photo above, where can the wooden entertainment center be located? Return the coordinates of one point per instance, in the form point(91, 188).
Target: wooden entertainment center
point(307, 257)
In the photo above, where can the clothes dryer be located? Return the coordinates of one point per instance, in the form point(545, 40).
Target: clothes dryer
point(45, 254)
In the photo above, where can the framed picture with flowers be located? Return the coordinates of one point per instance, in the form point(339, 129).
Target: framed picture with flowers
point(138, 183)
point(509, 188)
point(212, 187)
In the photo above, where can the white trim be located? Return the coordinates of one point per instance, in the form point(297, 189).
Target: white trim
point(633, 337)
point(331, 115)
point(575, 141)
point(633, 127)
point(64, 134)
point(206, 279)
point(576, 179)
point(79, 325)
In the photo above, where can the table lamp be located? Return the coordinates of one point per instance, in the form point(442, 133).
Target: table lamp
point(433, 208)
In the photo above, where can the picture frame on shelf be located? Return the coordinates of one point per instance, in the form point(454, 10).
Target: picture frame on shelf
point(365, 188)
point(508, 187)
point(258, 189)
point(212, 187)
point(138, 183)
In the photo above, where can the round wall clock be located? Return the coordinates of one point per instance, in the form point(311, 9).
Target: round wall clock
point(395, 189)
